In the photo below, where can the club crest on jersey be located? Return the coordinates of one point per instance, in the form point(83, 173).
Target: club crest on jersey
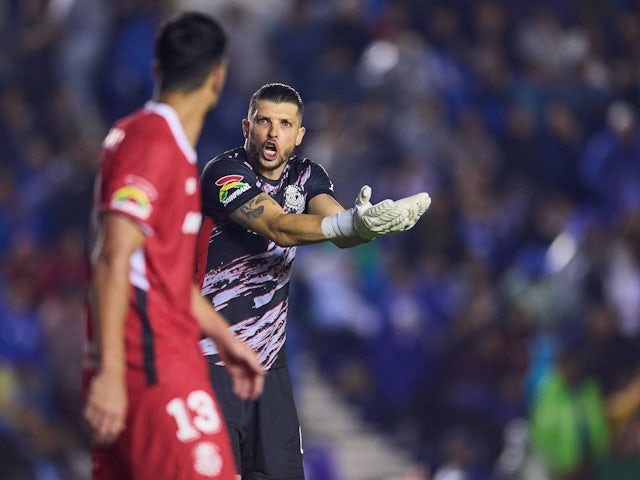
point(293, 197)
point(133, 200)
point(207, 460)
point(231, 187)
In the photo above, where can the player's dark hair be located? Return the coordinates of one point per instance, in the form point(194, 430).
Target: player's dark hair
point(187, 47)
point(277, 93)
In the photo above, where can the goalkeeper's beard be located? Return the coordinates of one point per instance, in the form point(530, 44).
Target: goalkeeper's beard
point(254, 152)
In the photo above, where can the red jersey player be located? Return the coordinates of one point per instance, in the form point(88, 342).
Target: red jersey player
point(150, 407)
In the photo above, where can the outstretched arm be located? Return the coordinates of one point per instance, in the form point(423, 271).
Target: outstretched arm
point(241, 362)
point(263, 215)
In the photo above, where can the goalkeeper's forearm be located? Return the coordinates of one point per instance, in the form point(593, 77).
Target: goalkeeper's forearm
point(265, 216)
point(303, 229)
point(288, 230)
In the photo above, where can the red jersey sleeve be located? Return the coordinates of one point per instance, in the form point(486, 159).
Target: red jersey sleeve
point(135, 167)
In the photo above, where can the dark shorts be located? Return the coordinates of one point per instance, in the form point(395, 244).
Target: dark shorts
point(265, 434)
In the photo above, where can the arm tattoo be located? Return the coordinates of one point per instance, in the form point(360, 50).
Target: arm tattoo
point(253, 209)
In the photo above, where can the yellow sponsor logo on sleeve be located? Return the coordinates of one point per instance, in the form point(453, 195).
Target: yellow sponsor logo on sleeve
point(133, 200)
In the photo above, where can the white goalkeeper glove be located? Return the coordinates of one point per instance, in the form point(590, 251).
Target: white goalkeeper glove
point(365, 220)
point(372, 221)
point(415, 205)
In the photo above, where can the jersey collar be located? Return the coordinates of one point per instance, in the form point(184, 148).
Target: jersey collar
point(171, 117)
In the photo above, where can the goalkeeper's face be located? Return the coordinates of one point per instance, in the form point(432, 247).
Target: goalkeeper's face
point(271, 133)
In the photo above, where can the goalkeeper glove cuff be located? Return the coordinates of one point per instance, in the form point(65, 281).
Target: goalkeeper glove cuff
point(339, 225)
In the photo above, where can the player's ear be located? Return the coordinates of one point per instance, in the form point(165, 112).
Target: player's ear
point(245, 127)
point(219, 76)
point(155, 70)
point(300, 135)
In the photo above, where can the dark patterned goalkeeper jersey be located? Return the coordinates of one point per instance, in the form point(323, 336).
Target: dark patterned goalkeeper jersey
point(243, 274)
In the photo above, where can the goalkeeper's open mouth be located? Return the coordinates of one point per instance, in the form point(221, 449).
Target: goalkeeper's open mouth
point(270, 150)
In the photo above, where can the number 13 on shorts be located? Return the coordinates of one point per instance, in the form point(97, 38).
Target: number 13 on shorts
point(194, 416)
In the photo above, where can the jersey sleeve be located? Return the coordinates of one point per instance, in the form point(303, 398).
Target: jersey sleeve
point(319, 182)
point(226, 184)
point(133, 174)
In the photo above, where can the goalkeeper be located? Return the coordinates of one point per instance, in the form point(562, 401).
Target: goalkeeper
point(259, 202)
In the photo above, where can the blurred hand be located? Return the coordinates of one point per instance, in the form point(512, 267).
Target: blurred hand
point(106, 408)
point(247, 374)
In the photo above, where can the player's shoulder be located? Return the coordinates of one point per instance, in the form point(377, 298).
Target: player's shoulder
point(145, 119)
point(298, 160)
point(235, 155)
point(304, 163)
point(141, 126)
point(233, 159)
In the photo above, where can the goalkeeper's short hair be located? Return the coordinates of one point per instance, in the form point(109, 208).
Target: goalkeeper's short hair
point(277, 93)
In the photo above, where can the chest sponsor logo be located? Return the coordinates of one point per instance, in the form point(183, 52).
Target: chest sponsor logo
point(133, 200)
point(191, 223)
point(293, 197)
point(231, 187)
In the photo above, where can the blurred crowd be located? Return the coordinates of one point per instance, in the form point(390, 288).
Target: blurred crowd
point(499, 339)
